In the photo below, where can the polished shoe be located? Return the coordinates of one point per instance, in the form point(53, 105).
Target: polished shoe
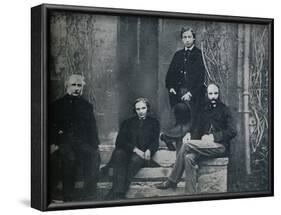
point(166, 185)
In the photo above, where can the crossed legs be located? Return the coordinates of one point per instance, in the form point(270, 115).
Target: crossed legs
point(186, 160)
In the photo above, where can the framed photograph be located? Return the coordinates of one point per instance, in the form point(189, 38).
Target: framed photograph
point(142, 107)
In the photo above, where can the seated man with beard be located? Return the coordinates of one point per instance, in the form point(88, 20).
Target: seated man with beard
point(210, 136)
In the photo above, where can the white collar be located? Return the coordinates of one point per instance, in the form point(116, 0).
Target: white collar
point(190, 49)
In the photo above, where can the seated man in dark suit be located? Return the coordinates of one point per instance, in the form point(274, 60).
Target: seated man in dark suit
point(210, 137)
point(136, 143)
point(73, 141)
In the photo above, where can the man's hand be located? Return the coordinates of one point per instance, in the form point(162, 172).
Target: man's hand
point(186, 138)
point(208, 138)
point(53, 148)
point(147, 155)
point(172, 90)
point(186, 97)
point(139, 152)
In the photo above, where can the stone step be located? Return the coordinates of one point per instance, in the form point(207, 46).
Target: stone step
point(144, 190)
point(148, 174)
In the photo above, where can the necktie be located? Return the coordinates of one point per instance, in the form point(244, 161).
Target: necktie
point(186, 54)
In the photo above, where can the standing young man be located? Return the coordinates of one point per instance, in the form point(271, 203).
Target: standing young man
point(185, 84)
point(186, 74)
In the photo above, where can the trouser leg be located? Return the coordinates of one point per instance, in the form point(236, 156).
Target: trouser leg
point(197, 152)
point(178, 168)
point(188, 148)
point(68, 168)
point(134, 166)
point(90, 164)
point(190, 173)
point(119, 163)
point(178, 144)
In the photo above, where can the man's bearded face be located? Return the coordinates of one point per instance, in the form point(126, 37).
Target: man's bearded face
point(213, 93)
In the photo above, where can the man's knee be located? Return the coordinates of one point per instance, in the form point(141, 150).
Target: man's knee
point(135, 159)
point(184, 148)
point(190, 159)
point(119, 155)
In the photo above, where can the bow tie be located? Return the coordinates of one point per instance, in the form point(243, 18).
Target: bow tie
point(213, 105)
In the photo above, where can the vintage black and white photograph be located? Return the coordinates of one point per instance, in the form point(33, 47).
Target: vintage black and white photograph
point(147, 107)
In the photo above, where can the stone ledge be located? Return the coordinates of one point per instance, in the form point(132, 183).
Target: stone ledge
point(163, 157)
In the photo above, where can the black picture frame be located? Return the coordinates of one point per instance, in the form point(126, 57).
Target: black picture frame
point(40, 66)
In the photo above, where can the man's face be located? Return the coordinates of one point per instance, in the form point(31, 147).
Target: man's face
point(141, 109)
point(75, 87)
point(187, 39)
point(213, 93)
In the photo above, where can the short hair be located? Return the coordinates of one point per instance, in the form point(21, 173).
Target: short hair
point(188, 29)
point(144, 100)
point(75, 76)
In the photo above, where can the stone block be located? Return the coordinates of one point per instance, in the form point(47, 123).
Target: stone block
point(212, 175)
point(165, 158)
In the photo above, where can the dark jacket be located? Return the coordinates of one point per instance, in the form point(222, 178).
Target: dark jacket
point(72, 122)
point(143, 134)
point(217, 121)
point(187, 73)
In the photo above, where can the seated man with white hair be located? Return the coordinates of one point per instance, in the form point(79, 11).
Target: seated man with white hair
point(74, 139)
